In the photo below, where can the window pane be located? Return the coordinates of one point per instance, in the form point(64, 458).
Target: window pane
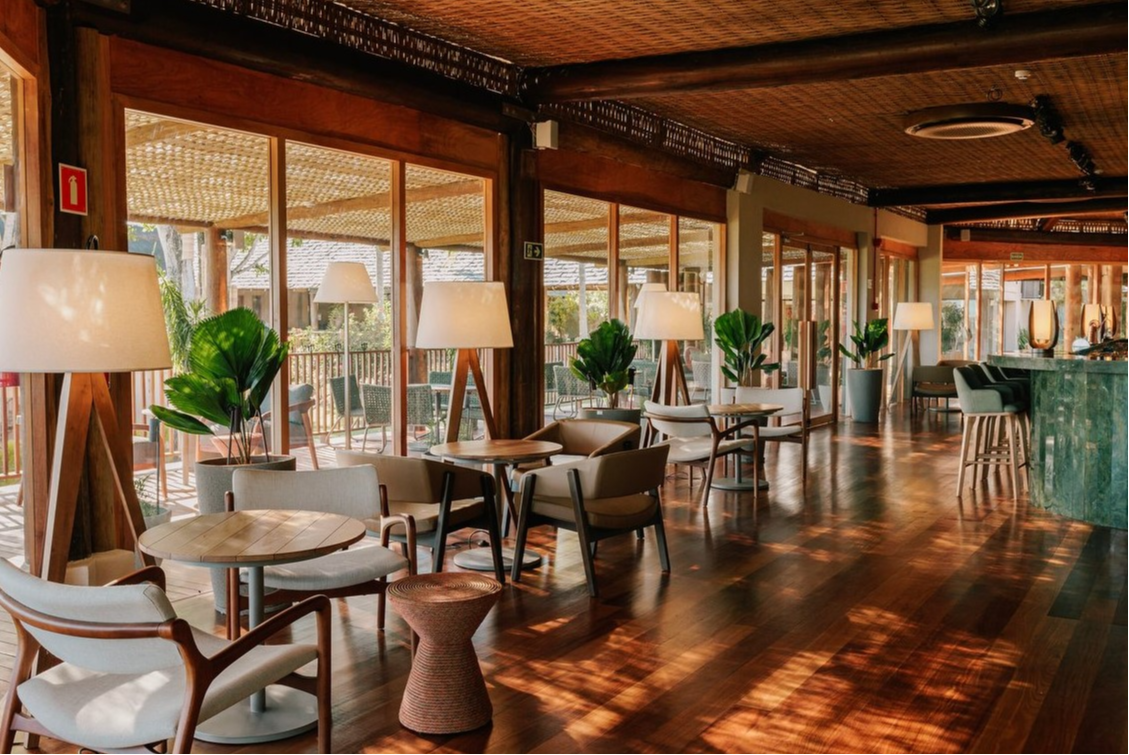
point(697, 250)
point(644, 257)
point(576, 281)
point(445, 235)
point(338, 209)
point(197, 199)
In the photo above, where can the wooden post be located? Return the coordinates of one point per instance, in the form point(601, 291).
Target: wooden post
point(1072, 316)
point(215, 270)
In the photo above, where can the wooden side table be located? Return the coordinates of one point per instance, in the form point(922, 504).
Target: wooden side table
point(446, 693)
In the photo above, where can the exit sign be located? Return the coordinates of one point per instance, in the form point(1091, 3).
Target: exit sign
point(72, 189)
point(1017, 256)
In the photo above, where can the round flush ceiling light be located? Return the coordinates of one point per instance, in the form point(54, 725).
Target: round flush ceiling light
point(973, 121)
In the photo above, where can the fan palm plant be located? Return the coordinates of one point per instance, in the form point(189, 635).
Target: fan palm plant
point(232, 361)
point(603, 359)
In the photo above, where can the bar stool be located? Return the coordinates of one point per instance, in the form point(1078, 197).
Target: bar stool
point(994, 432)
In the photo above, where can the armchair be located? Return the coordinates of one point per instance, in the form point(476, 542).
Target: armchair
point(582, 439)
point(796, 404)
point(131, 673)
point(435, 498)
point(597, 498)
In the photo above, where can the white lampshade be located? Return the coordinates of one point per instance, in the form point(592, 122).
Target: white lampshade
point(464, 315)
point(67, 310)
point(645, 289)
point(345, 283)
point(670, 316)
point(914, 315)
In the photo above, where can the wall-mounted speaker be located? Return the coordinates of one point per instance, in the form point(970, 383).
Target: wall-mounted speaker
point(744, 181)
point(545, 135)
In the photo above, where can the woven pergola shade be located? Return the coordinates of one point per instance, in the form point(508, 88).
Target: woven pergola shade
point(570, 31)
point(197, 176)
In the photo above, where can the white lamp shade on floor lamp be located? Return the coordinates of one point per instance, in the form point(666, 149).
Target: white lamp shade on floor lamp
point(670, 316)
point(66, 310)
point(464, 315)
point(645, 289)
point(914, 315)
point(345, 283)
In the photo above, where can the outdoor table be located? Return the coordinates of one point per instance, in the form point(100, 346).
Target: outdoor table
point(729, 412)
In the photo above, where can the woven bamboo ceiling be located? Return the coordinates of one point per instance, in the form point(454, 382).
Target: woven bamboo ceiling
point(850, 126)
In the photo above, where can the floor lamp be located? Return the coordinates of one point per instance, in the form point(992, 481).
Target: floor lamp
point(83, 314)
point(346, 283)
point(465, 315)
point(670, 316)
point(910, 316)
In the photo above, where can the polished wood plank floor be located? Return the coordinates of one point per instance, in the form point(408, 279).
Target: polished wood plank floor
point(873, 611)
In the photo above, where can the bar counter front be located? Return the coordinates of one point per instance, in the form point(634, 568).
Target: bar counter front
point(1079, 448)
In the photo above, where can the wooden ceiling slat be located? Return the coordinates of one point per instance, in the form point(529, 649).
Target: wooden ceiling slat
point(1024, 210)
point(968, 193)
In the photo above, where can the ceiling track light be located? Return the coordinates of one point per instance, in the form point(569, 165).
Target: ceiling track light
point(1047, 119)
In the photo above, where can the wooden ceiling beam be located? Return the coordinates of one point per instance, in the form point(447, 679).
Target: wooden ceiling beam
point(1076, 31)
point(1017, 210)
point(991, 251)
point(1005, 191)
point(1010, 236)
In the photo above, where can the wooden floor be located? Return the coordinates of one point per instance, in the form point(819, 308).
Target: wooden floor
point(873, 612)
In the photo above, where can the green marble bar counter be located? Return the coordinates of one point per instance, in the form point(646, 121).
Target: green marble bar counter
point(1079, 439)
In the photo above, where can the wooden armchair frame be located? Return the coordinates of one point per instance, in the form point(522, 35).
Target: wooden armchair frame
point(200, 670)
point(717, 435)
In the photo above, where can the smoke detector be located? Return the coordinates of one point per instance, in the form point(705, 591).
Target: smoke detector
point(972, 121)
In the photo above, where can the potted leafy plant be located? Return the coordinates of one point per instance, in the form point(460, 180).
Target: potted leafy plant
point(232, 360)
point(864, 380)
point(151, 509)
point(603, 360)
point(740, 335)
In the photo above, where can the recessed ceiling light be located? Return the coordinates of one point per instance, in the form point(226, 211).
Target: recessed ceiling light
point(971, 121)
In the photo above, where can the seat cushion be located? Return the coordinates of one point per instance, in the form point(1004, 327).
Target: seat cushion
point(341, 569)
point(426, 515)
point(688, 450)
point(775, 433)
point(109, 711)
point(623, 513)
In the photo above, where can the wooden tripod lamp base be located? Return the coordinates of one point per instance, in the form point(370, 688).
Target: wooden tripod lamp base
point(85, 406)
point(467, 364)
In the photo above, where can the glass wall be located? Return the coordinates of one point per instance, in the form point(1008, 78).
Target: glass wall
point(698, 248)
point(11, 234)
point(338, 209)
point(445, 233)
point(959, 284)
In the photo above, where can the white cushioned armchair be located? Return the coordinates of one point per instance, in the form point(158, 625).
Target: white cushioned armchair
point(132, 674)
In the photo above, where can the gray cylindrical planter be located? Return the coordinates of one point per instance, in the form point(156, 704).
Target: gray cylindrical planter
point(865, 388)
point(213, 480)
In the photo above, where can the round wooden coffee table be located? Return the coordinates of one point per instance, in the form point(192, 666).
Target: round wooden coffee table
point(253, 539)
point(446, 693)
point(502, 453)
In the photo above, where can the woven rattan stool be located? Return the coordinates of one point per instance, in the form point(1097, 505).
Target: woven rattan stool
point(446, 693)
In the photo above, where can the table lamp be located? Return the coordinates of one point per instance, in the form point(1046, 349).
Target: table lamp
point(465, 315)
point(346, 283)
point(670, 317)
point(81, 313)
point(1042, 327)
point(910, 316)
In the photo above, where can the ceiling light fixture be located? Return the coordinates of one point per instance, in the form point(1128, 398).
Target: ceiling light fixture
point(970, 121)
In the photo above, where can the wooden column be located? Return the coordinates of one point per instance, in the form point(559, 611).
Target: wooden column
point(1072, 316)
point(84, 131)
point(417, 358)
point(1111, 292)
point(520, 220)
point(215, 270)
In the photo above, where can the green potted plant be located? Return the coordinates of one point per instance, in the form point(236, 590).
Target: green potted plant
point(151, 509)
point(232, 360)
point(603, 360)
point(864, 380)
point(740, 335)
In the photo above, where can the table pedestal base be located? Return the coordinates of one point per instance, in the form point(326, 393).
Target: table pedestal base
point(289, 712)
point(481, 559)
point(735, 485)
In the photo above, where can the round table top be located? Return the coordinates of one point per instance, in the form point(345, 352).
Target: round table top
point(743, 410)
point(515, 451)
point(443, 587)
point(255, 537)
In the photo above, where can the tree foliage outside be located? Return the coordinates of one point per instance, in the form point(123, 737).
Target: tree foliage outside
point(369, 330)
point(562, 316)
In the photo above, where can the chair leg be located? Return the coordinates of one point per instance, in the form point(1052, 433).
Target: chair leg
point(660, 540)
point(1013, 460)
point(522, 529)
point(964, 438)
point(709, 476)
point(581, 517)
point(313, 456)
